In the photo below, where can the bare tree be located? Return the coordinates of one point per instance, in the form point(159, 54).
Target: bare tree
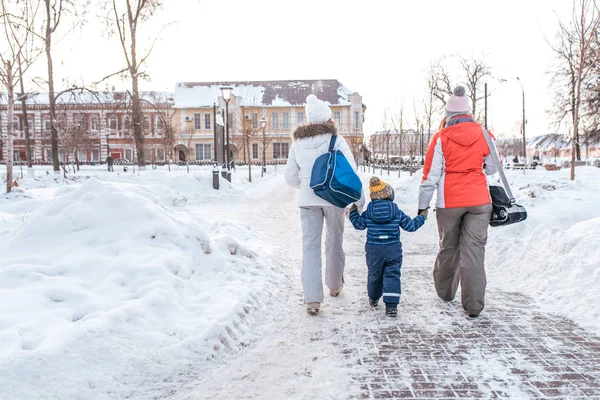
point(17, 50)
point(474, 70)
point(582, 32)
point(440, 82)
point(56, 12)
point(412, 140)
point(23, 96)
point(127, 16)
point(398, 124)
point(388, 127)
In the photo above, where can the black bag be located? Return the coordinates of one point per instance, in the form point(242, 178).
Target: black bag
point(505, 210)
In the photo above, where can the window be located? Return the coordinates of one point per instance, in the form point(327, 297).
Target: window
point(280, 150)
point(286, 120)
point(47, 124)
point(94, 123)
point(62, 123)
point(300, 117)
point(158, 124)
point(126, 123)
point(146, 125)
point(275, 120)
point(254, 120)
point(356, 121)
point(112, 123)
point(337, 118)
point(255, 151)
point(207, 121)
point(31, 123)
point(95, 155)
point(81, 156)
point(197, 121)
point(16, 155)
point(160, 155)
point(128, 154)
point(16, 123)
point(203, 152)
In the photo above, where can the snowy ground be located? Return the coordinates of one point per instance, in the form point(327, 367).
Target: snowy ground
point(171, 289)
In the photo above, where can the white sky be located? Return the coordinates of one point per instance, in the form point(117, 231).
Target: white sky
point(380, 49)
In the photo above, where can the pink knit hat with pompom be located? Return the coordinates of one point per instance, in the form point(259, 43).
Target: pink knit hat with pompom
point(458, 103)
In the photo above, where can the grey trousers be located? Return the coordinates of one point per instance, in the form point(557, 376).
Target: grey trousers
point(461, 258)
point(312, 219)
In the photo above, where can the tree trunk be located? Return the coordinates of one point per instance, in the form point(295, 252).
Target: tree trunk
point(26, 120)
point(264, 160)
point(138, 120)
point(51, 99)
point(9, 138)
point(249, 163)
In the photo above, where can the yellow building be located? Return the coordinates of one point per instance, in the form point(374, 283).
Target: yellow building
point(198, 106)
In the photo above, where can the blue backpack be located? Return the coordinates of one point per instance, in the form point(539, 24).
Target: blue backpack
point(333, 178)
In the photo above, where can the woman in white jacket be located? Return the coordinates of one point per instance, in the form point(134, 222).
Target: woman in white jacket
point(311, 141)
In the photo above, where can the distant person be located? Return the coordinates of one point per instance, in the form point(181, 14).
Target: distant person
point(456, 163)
point(516, 160)
point(311, 141)
point(109, 163)
point(383, 220)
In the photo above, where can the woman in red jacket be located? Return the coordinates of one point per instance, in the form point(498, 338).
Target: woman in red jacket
point(456, 163)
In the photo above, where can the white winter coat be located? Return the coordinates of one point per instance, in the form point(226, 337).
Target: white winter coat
point(302, 156)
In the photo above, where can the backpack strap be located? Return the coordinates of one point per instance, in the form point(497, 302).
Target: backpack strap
point(332, 143)
point(496, 159)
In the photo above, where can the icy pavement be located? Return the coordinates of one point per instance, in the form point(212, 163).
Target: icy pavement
point(511, 351)
point(431, 351)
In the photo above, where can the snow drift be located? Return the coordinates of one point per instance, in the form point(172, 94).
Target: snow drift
point(111, 289)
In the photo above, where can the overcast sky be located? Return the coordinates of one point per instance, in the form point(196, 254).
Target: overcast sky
point(380, 49)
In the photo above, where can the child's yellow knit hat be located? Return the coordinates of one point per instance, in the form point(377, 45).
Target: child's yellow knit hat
point(379, 189)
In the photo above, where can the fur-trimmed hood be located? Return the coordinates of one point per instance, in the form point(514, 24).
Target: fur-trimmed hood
point(312, 130)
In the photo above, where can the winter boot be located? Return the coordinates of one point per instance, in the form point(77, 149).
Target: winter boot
point(313, 308)
point(335, 292)
point(391, 311)
point(373, 303)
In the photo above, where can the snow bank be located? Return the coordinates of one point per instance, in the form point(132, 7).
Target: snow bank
point(112, 290)
point(553, 255)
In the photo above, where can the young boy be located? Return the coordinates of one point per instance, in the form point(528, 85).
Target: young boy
point(382, 219)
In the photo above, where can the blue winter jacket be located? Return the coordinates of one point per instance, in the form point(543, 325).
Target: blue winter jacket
point(383, 220)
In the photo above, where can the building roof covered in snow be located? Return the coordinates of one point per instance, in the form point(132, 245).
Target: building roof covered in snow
point(78, 96)
point(262, 93)
point(561, 142)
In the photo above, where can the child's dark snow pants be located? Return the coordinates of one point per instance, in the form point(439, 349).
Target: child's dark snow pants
point(384, 262)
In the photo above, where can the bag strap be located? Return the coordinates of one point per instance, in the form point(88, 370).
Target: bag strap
point(332, 143)
point(494, 154)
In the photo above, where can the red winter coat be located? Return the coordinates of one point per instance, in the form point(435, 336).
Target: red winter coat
point(454, 165)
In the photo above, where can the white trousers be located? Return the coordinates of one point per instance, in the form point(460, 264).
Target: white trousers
point(312, 219)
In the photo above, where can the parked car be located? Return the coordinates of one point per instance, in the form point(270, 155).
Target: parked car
point(122, 161)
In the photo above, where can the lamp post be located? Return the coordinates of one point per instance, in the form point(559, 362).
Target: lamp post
point(226, 94)
point(263, 125)
point(523, 123)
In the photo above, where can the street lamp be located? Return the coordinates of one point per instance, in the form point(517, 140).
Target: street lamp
point(263, 125)
point(523, 122)
point(226, 94)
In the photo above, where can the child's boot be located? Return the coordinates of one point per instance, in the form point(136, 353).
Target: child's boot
point(373, 303)
point(391, 310)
